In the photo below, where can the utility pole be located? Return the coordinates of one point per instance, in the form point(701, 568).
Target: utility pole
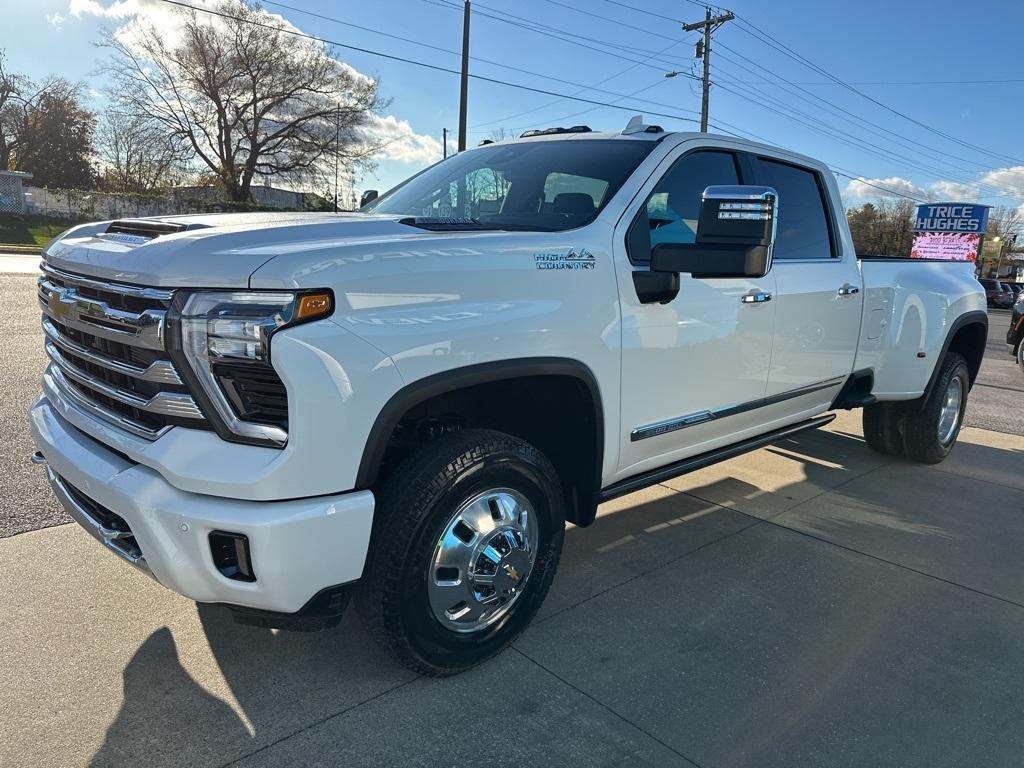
point(709, 25)
point(444, 142)
point(337, 152)
point(464, 93)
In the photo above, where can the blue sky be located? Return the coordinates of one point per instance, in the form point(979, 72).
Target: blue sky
point(870, 44)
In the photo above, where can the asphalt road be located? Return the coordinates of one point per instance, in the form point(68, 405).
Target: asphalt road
point(809, 604)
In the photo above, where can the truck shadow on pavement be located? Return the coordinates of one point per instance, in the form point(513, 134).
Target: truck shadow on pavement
point(277, 684)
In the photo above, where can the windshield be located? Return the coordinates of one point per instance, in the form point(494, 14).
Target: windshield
point(536, 185)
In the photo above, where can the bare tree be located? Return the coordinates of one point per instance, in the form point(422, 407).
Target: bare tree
point(137, 154)
point(1004, 222)
point(251, 99)
point(884, 228)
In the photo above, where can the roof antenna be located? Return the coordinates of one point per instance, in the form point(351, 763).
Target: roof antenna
point(635, 125)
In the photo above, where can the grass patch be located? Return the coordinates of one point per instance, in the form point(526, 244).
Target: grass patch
point(31, 231)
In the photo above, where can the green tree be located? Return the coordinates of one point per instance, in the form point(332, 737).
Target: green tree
point(57, 145)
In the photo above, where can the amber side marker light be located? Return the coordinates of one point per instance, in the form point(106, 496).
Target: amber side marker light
point(313, 305)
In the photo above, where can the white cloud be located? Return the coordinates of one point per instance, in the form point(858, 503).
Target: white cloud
point(1007, 180)
point(55, 19)
point(119, 9)
point(403, 143)
point(894, 186)
point(953, 191)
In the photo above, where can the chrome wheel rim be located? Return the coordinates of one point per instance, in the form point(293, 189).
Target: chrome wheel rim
point(949, 416)
point(483, 560)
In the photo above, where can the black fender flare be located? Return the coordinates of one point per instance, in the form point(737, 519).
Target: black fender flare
point(424, 389)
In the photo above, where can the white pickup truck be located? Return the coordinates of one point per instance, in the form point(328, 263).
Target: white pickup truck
point(406, 404)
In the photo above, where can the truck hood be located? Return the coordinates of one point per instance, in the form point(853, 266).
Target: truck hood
point(212, 250)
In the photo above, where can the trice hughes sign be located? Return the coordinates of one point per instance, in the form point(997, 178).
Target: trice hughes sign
point(949, 231)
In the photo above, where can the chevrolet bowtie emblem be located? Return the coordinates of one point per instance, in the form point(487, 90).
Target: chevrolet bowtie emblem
point(512, 572)
point(63, 303)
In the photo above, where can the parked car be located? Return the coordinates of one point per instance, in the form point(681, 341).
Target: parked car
point(997, 293)
point(1015, 333)
point(280, 411)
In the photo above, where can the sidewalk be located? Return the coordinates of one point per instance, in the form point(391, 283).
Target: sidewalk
point(19, 263)
point(812, 603)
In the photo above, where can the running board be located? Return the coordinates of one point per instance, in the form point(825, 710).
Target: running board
point(651, 477)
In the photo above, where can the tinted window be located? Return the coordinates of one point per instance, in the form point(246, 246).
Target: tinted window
point(673, 207)
point(534, 185)
point(802, 230)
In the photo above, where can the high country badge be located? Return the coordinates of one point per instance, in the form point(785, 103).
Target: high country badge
point(581, 259)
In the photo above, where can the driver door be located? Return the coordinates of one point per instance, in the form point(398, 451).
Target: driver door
point(690, 364)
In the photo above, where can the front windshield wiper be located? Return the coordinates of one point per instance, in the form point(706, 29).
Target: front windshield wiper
point(446, 223)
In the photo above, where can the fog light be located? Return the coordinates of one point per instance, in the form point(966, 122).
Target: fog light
point(231, 555)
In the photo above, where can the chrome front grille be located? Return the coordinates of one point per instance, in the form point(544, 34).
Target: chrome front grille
point(105, 342)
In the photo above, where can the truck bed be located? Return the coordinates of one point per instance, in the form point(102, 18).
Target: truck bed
point(905, 322)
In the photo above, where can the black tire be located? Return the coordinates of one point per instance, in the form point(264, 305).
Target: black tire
point(413, 509)
point(921, 420)
point(882, 428)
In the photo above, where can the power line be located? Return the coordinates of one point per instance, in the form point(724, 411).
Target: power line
point(781, 47)
point(392, 36)
point(558, 34)
point(835, 169)
point(425, 65)
point(835, 109)
point(827, 130)
point(870, 128)
point(557, 120)
point(556, 101)
point(616, 22)
point(892, 82)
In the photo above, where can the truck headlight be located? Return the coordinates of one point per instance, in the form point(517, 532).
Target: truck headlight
point(220, 342)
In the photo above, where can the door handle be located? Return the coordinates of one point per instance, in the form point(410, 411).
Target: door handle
point(758, 297)
point(849, 290)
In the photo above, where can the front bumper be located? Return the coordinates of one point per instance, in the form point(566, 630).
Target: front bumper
point(298, 547)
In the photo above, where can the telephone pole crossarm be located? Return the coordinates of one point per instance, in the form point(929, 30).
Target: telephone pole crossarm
point(707, 26)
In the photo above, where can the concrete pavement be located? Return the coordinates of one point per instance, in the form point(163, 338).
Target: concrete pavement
point(808, 604)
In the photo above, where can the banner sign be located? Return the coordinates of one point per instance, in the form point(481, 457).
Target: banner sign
point(948, 246)
point(949, 231)
point(951, 217)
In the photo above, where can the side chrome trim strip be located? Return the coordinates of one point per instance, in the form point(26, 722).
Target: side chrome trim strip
point(701, 417)
point(667, 472)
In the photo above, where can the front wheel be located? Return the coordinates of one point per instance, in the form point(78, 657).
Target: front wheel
point(466, 540)
point(931, 428)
